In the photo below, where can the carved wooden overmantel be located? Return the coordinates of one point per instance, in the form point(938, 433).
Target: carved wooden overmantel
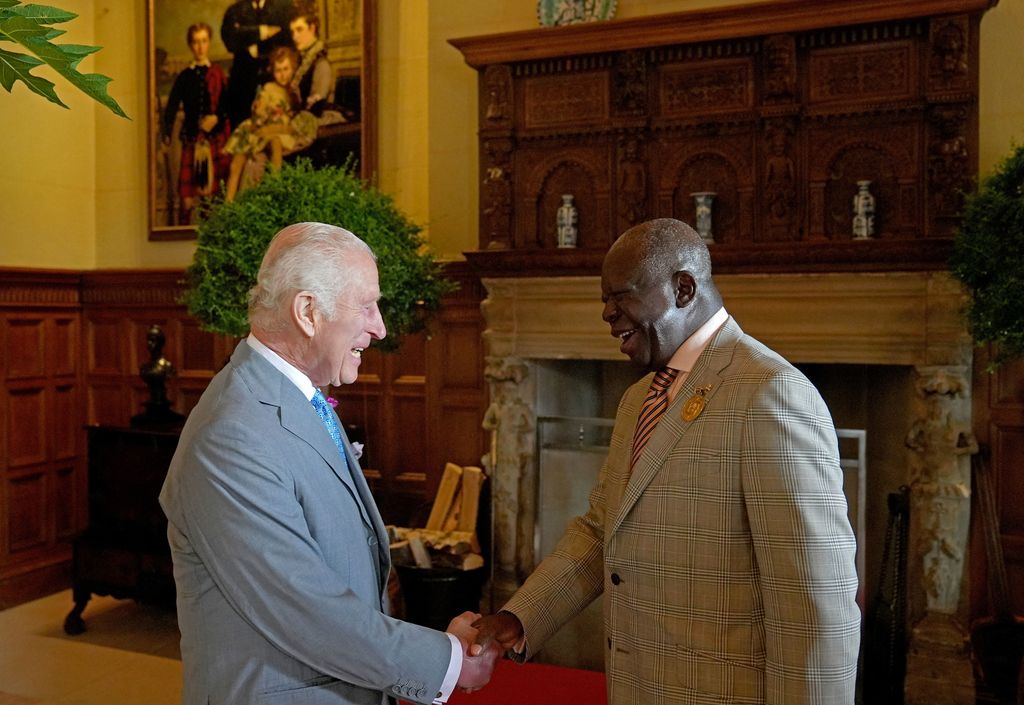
point(777, 107)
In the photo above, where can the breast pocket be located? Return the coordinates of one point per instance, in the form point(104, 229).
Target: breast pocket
point(689, 464)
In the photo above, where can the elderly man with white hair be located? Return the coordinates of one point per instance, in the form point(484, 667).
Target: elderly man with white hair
point(280, 555)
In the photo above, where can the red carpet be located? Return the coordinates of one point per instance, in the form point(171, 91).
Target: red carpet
point(536, 684)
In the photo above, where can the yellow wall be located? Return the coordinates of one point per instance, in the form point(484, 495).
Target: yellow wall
point(73, 182)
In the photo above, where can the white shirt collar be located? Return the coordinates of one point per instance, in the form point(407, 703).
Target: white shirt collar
point(296, 377)
point(687, 354)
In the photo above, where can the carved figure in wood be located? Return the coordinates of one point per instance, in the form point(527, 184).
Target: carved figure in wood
point(497, 193)
point(631, 82)
point(779, 177)
point(949, 50)
point(779, 67)
point(948, 166)
point(632, 184)
point(498, 85)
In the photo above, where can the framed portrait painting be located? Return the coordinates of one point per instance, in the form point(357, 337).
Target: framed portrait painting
point(209, 60)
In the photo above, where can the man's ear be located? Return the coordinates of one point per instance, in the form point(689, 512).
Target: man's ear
point(303, 312)
point(685, 287)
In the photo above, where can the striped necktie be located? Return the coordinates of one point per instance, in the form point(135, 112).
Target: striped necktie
point(653, 407)
point(330, 419)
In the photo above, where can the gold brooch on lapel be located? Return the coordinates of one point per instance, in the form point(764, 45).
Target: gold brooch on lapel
point(695, 404)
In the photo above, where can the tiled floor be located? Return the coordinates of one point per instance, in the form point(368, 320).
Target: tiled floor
point(128, 655)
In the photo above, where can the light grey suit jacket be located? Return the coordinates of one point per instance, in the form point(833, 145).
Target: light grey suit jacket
point(726, 558)
point(281, 558)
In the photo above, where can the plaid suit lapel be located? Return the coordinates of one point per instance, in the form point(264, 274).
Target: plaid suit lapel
point(673, 429)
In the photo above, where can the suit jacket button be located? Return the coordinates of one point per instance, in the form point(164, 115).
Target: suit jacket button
point(616, 579)
point(371, 540)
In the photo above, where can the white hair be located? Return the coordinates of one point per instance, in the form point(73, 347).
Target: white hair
point(311, 257)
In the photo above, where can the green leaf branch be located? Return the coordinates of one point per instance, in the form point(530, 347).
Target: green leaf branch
point(30, 27)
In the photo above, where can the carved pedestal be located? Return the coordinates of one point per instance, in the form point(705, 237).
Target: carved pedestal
point(938, 665)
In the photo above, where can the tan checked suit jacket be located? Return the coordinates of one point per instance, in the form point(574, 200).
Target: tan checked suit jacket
point(726, 559)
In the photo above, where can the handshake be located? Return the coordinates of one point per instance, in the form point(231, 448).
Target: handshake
point(484, 640)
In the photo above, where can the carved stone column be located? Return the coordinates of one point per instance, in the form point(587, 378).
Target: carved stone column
point(511, 420)
point(938, 664)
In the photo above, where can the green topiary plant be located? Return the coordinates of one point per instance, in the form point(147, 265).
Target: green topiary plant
point(232, 238)
point(988, 257)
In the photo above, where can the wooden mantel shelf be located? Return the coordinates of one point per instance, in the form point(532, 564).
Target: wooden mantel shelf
point(748, 20)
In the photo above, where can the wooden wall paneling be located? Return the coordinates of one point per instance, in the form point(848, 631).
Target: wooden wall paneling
point(41, 470)
point(65, 348)
point(27, 528)
point(456, 391)
point(66, 499)
point(78, 363)
point(65, 421)
point(118, 309)
point(26, 423)
point(106, 404)
point(999, 424)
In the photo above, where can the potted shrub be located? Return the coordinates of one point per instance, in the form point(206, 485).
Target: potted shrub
point(988, 257)
point(232, 237)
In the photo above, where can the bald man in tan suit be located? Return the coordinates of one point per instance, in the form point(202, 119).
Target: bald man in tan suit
point(717, 530)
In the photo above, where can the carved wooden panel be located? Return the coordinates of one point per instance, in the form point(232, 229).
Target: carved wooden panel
point(887, 157)
point(544, 175)
point(722, 165)
point(496, 97)
point(885, 71)
point(949, 46)
point(573, 99)
point(705, 88)
point(820, 90)
point(780, 198)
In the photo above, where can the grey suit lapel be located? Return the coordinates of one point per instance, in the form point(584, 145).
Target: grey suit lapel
point(372, 516)
point(297, 416)
point(672, 429)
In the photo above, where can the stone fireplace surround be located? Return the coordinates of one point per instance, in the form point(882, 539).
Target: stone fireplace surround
point(909, 357)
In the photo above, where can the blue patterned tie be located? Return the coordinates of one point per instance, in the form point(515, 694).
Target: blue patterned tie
point(327, 415)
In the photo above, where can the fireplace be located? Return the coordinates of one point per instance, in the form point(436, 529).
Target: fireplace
point(888, 351)
point(780, 108)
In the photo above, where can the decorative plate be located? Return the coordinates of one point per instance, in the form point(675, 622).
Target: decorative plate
point(554, 13)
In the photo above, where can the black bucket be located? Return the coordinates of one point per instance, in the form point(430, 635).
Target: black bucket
point(433, 596)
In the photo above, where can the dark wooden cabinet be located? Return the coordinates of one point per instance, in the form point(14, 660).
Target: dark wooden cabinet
point(123, 552)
